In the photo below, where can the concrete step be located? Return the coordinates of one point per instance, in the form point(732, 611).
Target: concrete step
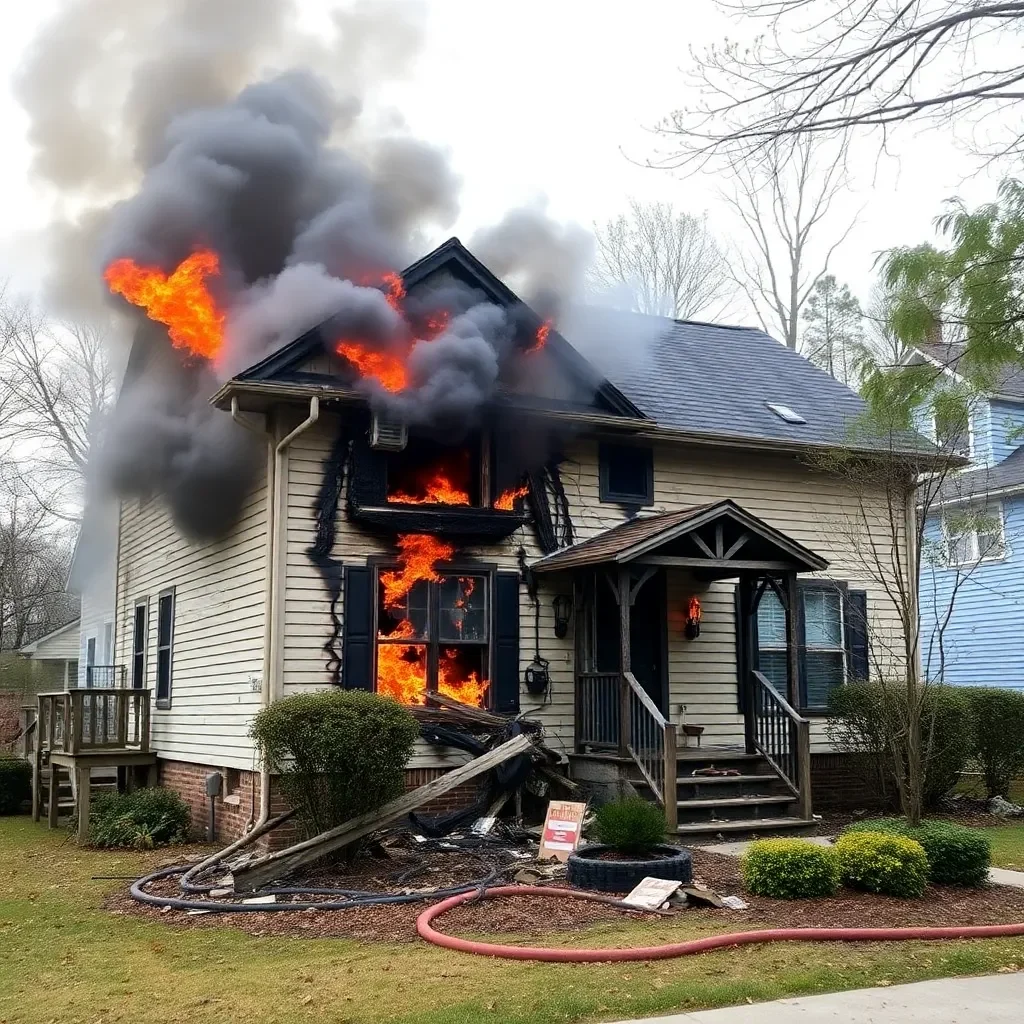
point(744, 826)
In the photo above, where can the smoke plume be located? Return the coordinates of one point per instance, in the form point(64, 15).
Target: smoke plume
point(170, 127)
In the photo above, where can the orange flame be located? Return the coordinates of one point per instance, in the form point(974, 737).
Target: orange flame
point(507, 499)
point(443, 484)
point(540, 339)
point(469, 689)
point(437, 323)
point(418, 556)
point(396, 290)
point(384, 367)
point(179, 300)
point(693, 610)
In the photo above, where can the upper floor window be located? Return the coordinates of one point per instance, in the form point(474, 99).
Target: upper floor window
point(626, 474)
point(164, 648)
point(952, 429)
point(973, 533)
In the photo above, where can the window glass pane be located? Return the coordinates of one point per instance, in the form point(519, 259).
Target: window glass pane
point(990, 534)
point(773, 667)
point(163, 634)
point(824, 673)
point(407, 618)
point(952, 430)
point(139, 633)
point(462, 609)
point(625, 472)
point(462, 673)
point(771, 621)
point(402, 672)
point(823, 618)
point(163, 673)
point(960, 546)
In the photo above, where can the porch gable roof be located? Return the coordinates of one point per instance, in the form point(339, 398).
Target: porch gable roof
point(720, 538)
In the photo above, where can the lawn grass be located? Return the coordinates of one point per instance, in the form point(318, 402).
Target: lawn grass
point(1007, 846)
point(63, 958)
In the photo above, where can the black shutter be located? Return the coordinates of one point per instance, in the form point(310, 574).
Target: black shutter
point(746, 640)
point(506, 643)
point(856, 617)
point(357, 649)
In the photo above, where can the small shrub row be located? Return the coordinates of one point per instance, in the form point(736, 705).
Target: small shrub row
point(15, 783)
point(139, 820)
point(889, 864)
point(633, 825)
point(956, 855)
point(999, 747)
point(790, 869)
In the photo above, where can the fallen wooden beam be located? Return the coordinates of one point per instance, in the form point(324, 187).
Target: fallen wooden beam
point(282, 863)
point(466, 711)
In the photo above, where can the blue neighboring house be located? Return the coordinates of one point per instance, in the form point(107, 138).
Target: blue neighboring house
point(972, 573)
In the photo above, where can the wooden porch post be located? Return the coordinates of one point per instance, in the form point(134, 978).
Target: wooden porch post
point(625, 665)
point(745, 661)
point(792, 641)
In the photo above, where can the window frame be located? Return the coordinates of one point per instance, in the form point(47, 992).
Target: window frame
point(840, 590)
point(433, 643)
point(606, 451)
point(969, 439)
point(974, 556)
point(164, 701)
point(139, 656)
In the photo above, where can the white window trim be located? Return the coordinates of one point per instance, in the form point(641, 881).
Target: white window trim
point(973, 557)
point(971, 447)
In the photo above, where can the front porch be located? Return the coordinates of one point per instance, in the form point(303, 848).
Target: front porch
point(690, 717)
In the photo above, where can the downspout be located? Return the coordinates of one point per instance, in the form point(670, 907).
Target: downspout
point(276, 530)
point(914, 578)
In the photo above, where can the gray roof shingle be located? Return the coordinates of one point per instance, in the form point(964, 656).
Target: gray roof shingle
point(1007, 381)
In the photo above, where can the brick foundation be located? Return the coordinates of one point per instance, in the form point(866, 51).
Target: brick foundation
point(843, 782)
point(188, 780)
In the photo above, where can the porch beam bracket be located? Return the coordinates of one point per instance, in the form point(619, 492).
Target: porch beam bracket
point(699, 541)
point(737, 544)
point(719, 541)
point(644, 577)
point(613, 583)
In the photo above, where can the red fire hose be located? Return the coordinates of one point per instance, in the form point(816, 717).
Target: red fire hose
point(673, 949)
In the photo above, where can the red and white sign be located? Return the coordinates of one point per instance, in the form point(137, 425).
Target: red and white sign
point(563, 828)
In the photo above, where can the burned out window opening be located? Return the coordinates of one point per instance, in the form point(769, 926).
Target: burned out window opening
point(426, 472)
point(435, 637)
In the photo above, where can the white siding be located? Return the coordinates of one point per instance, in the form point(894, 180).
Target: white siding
point(61, 645)
point(97, 583)
point(217, 658)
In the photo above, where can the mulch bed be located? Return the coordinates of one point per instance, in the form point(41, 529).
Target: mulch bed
point(534, 916)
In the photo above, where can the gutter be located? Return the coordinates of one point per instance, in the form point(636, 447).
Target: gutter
point(277, 526)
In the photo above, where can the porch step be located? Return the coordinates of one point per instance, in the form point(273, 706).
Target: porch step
point(720, 780)
point(737, 801)
point(744, 826)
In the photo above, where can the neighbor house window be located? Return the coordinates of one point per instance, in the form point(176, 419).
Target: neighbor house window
point(974, 533)
point(626, 474)
point(434, 638)
point(139, 646)
point(952, 430)
point(164, 647)
point(821, 633)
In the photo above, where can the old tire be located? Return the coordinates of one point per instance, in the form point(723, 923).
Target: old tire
point(587, 871)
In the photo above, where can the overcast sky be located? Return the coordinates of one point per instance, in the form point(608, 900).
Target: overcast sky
point(556, 100)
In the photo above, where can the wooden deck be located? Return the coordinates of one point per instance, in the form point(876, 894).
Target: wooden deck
point(79, 730)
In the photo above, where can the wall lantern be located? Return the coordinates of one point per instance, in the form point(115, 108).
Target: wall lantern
point(563, 609)
point(692, 628)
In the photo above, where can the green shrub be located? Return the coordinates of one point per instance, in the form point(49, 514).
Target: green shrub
point(339, 753)
point(140, 820)
point(632, 825)
point(872, 719)
point(790, 869)
point(877, 862)
point(956, 855)
point(999, 715)
point(15, 783)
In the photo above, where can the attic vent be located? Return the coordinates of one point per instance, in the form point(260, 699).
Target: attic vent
point(785, 413)
point(388, 435)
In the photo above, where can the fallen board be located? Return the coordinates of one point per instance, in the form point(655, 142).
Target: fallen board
point(282, 863)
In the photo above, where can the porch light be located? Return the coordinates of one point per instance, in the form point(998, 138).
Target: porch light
point(692, 628)
point(563, 609)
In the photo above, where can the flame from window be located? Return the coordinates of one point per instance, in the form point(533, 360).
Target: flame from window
point(506, 501)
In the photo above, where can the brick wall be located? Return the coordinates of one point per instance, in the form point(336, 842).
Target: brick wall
point(843, 782)
point(188, 780)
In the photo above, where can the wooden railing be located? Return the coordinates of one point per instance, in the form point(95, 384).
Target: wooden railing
point(651, 742)
point(783, 738)
point(104, 676)
point(597, 709)
point(74, 721)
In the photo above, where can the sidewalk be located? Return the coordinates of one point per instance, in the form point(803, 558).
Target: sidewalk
point(994, 999)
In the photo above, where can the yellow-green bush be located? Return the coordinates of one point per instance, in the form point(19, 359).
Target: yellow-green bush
point(790, 869)
point(877, 862)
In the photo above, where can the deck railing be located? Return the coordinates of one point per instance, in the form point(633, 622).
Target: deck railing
point(597, 710)
point(651, 742)
point(79, 720)
point(104, 676)
point(783, 738)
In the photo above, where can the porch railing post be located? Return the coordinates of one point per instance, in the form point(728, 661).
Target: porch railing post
point(624, 661)
point(671, 767)
point(803, 756)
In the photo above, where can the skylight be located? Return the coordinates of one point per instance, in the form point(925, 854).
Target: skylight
point(785, 413)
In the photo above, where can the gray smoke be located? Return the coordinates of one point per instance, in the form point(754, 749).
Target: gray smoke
point(307, 195)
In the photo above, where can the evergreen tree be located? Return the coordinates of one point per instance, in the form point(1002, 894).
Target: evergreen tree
point(833, 333)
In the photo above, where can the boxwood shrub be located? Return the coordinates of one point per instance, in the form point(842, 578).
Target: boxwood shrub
point(957, 855)
point(1000, 736)
point(790, 869)
point(338, 753)
point(15, 783)
point(633, 825)
point(139, 820)
point(879, 862)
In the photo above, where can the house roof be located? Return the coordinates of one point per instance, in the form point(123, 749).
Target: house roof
point(749, 539)
point(1008, 382)
point(715, 379)
point(49, 645)
point(975, 484)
